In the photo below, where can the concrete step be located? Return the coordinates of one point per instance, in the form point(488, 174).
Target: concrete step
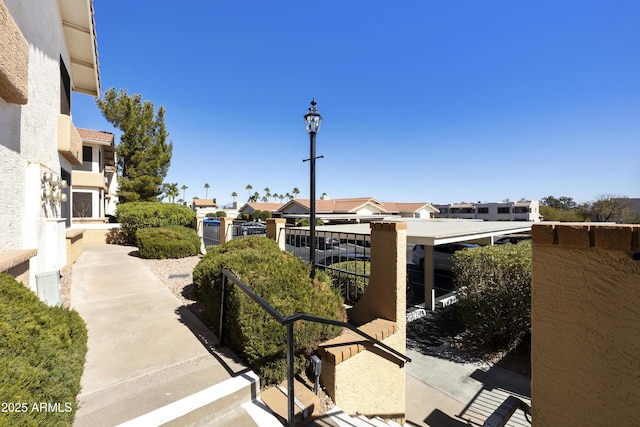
point(306, 406)
point(234, 402)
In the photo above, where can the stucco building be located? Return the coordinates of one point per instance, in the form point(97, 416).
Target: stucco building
point(528, 210)
point(95, 181)
point(47, 50)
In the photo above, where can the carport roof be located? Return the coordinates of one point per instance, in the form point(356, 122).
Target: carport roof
point(433, 232)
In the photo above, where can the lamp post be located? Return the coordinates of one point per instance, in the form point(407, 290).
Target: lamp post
point(312, 119)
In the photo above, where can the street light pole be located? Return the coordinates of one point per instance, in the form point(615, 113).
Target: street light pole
point(312, 119)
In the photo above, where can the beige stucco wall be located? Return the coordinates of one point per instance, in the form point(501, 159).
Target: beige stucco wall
point(14, 60)
point(585, 325)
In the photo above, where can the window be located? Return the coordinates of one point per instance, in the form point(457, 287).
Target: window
point(503, 210)
point(65, 89)
point(82, 205)
point(65, 211)
point(483, 210)
point(87, 159)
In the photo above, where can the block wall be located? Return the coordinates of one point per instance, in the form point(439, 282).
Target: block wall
point(585, 324)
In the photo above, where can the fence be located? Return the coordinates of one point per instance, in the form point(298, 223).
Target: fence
point(343, 256)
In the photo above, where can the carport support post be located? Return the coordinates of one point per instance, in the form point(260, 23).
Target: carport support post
point(429, 297)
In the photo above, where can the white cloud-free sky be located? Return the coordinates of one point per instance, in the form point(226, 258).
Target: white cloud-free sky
point(438, 101)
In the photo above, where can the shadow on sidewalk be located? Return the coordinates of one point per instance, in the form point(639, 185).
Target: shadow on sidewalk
point(227, 358)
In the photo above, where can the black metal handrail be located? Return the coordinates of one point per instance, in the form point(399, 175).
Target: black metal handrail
point(288, 321)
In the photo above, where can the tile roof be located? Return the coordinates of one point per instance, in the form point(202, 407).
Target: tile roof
point(96, 135)
point(201, 203)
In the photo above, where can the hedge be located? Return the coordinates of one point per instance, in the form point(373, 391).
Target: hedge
point(135, 215)
point(494, 293)
point(43, 351)
point(351, 275)
point(167, 242)
point(283, 281)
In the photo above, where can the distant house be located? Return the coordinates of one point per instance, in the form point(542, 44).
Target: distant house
point(356, 209)
point(204, 206)
point(95, 181)
point(501, 211)
point(48, 50)
point(249, 208)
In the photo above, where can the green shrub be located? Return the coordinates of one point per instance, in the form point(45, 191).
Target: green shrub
point(255, 215)
point(210, 215)
point(167, 242)
point(352, 276)
point(264, 215)
point(43, 351)
point(283, 281)
point(135, 215)
point(494, 293)
point(221, 214)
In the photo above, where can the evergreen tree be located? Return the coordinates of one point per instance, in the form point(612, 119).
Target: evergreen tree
point(143, 154)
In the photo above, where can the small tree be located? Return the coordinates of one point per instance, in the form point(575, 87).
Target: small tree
point(494, 293)
point(143, 154)
point(206, 189)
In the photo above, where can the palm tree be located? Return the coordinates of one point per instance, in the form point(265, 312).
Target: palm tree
point(275, 196)
point(288, 196)
point(184, 189)
point(234, 195)
point(206, 190)
point(281, 196)
point(171, 191)
point(249, 187)
point(267, 194)
point(295, 192)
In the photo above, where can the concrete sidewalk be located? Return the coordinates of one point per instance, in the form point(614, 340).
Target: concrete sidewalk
point(145, 349)
point(445, 393)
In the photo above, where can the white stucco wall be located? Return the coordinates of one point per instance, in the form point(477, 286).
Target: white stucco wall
point(29, 134)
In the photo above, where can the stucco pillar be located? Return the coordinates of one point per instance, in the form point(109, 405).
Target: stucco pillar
point(226, 230)
point(386, 294)
point(275, 230)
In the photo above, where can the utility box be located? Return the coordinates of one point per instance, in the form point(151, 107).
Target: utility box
point(48, 287)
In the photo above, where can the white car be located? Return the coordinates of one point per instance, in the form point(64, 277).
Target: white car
point(442, 259)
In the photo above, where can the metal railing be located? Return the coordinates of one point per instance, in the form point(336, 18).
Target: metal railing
point(288, 321)
point(211, 233)
point(344, 256)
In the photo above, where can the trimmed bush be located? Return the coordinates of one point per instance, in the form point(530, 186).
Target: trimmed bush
point(43, 352)
point(167, 242)
point(350, 275)
point(264, 215)
point(135, 215)
point(221, 214)
point(494, 293)
point(283, 281)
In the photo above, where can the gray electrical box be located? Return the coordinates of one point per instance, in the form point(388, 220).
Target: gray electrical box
point(48, 287)
point(316, 365)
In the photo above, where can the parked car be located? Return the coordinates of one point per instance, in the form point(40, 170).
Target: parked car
point(298, 240)
point(250, 228)
point(344, 257)
point(442, 255)
point(321, 242)
point(516, 238)
point(326, 242)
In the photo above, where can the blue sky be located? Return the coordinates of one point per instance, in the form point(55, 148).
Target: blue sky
point(437, 101)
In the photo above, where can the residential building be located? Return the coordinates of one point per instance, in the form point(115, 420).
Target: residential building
point(47, 50)
point(249, 208)
point(359, 209)
point(502, 211)
point(204, 206)
point(94, 182)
